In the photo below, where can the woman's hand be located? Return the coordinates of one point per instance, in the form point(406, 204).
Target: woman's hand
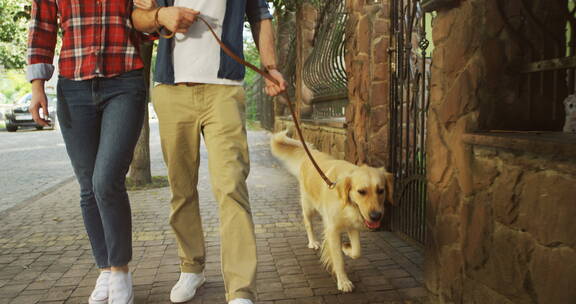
point(273, 89)
point(145, 4)
point(39, 103)
point(177, 19)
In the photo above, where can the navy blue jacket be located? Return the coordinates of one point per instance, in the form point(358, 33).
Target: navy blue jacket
point(232, 29)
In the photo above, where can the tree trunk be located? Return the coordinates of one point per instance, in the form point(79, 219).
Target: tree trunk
point(140, 172)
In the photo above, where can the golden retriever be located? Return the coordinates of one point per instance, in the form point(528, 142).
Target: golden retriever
point(357, 201)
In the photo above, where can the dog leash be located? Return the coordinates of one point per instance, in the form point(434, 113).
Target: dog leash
point(266, 75)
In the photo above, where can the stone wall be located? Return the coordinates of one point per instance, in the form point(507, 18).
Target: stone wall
point(328, 139)
point(517, 228)
point(500, 219)
point(326, 136)
point(363, 138)
point(367, 114)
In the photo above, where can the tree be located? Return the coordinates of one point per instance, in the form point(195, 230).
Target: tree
point(140, 171)
point(13, 85)
point(13, 33)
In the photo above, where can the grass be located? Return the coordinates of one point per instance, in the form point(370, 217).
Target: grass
point(157, 182)
point(2, 124)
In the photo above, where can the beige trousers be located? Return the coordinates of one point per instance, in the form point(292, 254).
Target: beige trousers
point(216, 112)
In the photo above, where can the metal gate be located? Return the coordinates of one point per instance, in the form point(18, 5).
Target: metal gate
point(409, 99)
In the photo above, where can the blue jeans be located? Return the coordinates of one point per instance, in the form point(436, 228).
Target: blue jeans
point(101, 120)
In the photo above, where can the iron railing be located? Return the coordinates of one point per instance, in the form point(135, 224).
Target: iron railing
point(324, 71)
point(549, 48)
point(409, 99)
point(260, 106)
point(329, 109)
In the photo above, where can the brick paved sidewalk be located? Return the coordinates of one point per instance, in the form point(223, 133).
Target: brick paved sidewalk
point(45, 256)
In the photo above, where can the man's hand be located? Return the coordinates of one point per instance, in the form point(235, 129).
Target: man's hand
point(273, 89)
point(177, 19)
point(145, 4)
point(39, 103)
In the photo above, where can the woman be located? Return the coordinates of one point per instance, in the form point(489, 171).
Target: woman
point(101, 100)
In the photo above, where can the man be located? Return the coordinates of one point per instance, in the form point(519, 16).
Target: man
point(201, 92)
point(101, 103)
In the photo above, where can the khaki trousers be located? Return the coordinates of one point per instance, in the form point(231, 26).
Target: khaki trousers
point(216, 112)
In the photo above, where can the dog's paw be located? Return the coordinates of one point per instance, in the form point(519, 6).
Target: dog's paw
point(345, 285)
point(347, 249)
point(314, 245)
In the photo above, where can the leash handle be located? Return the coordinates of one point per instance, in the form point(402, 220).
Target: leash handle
point(267, 75)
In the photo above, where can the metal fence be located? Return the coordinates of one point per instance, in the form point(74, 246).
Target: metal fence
point(324, 71)
point(330, 108)
point(260, 106)
point(409, 99)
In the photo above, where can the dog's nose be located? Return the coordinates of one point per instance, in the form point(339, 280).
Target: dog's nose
point(375, 215)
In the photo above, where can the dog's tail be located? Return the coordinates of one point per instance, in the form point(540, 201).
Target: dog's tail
point(288, 150)
point(325, 257)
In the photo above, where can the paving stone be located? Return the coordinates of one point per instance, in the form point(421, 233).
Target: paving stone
point(11, 290)
point(271, 296)
point(326, 291)
point(404, 283)
point(27, 299)
point(298, 292)
point(41, 285)
point(413, 293)
point(269, 287)
point(58, 293)
point(45, 256)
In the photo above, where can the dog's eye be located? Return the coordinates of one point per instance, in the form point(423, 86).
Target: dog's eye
point(380, 191)
point(362, 192)
point(571, 106)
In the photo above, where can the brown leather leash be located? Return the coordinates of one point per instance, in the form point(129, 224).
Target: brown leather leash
point(266, 75)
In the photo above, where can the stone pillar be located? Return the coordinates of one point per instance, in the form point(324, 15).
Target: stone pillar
point(306, 17)
point(367, 64)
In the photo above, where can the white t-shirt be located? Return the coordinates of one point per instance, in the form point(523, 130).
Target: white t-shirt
point(196, 53)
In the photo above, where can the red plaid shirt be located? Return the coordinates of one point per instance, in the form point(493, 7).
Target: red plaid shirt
point(98, 41)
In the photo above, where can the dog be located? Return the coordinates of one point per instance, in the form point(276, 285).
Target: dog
point(355, 203)
point(570, 109)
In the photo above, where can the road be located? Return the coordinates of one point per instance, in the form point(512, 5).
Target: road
point(32, 162)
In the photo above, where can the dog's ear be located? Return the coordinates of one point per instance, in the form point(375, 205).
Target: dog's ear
point(343, 187)
point(389, 183)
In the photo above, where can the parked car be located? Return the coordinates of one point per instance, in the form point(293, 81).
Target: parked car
point(18, 115)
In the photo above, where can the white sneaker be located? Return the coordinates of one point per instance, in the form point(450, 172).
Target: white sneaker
point(185, 288)
point(120, 287)
point(240, 301)
point(100, 293)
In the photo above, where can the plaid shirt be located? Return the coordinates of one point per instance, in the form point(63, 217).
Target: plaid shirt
point(98, 41)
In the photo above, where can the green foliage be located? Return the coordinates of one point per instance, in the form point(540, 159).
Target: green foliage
point(251, 55)
point(13, 32)
point(13, 85)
